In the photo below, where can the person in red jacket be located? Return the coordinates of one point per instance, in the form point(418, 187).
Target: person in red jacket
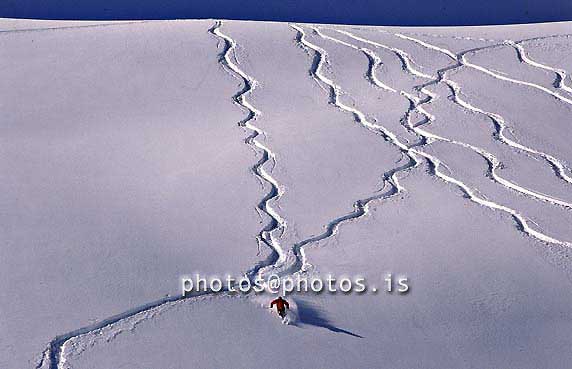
point(281, 306)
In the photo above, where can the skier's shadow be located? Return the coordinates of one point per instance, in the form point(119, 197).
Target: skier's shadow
point(312, 315)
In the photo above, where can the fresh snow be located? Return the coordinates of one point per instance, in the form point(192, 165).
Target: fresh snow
point(137, 152)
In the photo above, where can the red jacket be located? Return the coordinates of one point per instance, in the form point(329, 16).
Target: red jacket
point(280, 304)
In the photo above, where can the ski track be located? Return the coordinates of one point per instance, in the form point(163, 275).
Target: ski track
point(557, 165)
point(54, 356)
point(277, 225)
point(434, 162)
point(523, 57)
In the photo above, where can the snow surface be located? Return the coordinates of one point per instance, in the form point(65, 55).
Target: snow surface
point(137, 152)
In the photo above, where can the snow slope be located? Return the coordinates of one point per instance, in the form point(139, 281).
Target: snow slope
point(136, 152)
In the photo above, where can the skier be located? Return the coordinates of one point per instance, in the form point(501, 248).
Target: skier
point(281, 306)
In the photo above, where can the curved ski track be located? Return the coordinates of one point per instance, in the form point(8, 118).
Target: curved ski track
point(523, 57)
point(277, 224)
point(54, 355)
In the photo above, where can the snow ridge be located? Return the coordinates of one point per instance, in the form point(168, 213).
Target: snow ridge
point(62, 28)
